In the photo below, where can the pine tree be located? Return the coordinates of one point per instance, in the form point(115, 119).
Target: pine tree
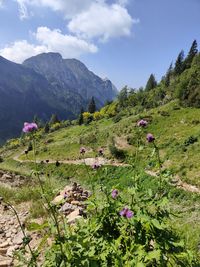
point(192, 53)
point(180, 64)
point(168, 75)
point(92, 106)
point(151, 83)
point(123, 96)
point(80, 118)
point(46, 128)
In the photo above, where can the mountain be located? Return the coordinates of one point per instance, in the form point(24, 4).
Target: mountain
point(43, 85)
point(70, 76)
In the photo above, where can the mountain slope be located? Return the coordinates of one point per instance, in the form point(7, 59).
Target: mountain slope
point(24, 93)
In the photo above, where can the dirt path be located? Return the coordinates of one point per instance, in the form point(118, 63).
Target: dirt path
point(103, 161)
point(179, 183)
point(87, 161)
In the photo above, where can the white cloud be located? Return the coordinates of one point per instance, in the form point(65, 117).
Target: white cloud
point(1, 3)
point(23, 11)
point(48, 41)
point(20, 50)
point(68, 7)
point(67, 45)
point(103, 21)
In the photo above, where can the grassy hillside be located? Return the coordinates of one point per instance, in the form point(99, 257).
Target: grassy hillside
point(177, 134)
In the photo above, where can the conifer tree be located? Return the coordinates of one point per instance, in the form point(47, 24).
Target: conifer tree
point(123, 96)
point(46, 128)
point(92, 106)
point(80, 118)
point(151, 83)
point(192, 53)
point(168, 75)
point(180, 64)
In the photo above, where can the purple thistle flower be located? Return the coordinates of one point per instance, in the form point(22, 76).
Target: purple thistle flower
point(115, 193)
point(126, 213)
point(142, 123)
point(150, 138)
point(96, 166)
point(82, 150)
point(29, 127)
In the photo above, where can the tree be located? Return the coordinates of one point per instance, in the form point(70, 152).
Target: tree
point(123, 96)
point(46, 128)
point(168, 75)
point(54, 119)
point(92, 106)
point(151, 83)
point(180, 64)
point(80, 118)
point(192, 53)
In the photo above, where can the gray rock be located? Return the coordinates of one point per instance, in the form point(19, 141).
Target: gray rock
point(18, 239)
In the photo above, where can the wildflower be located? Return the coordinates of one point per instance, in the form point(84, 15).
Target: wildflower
point(30, 127)
point(96, 166)
point(101, 151)
point(142, 123)
point(82, 150)
point(126, 213)
point(115, 193)
point(150, 138)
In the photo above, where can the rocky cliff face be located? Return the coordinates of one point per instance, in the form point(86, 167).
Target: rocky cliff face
point(71, 75)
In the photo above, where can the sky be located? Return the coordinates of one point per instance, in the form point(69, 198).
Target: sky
point(123, 40)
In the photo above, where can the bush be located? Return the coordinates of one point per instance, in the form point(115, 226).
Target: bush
point(190, 140)
point(117, 153)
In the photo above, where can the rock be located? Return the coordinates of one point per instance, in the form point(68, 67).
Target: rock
point(3, 251)
point(11, 250)
point(76, 203)
point(6, 177)
point(67, 188)
point(18, 239)
point(73, 216)
point(5, 262)
point(67, 208)
point(57, 200)
point(8, 234)
point(4, 244)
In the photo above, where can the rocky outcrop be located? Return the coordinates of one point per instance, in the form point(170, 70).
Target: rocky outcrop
point(11, 179)
point(70, 201)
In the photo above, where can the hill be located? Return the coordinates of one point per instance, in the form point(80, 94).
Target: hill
point(176, 133)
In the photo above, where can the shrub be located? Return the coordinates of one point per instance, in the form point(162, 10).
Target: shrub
point(97, 116)
point(190, 140)
point(116, 152)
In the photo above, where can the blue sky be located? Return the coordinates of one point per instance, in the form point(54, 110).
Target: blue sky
point(124, 40)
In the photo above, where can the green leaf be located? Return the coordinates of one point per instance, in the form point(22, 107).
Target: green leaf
point(157, 224)
point(153, 255)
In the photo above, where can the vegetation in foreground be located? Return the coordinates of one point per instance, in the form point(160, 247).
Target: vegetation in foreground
point(127, 224)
